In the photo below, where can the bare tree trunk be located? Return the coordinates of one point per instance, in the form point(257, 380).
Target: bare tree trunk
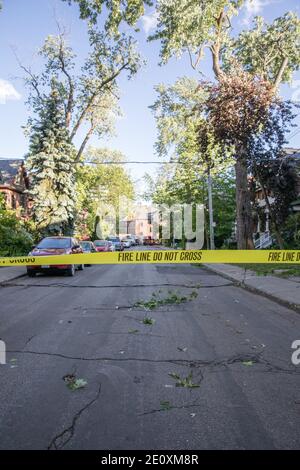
point(243, 206)
point(84, 144)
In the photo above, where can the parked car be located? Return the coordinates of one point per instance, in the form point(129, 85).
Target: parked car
point(148, 241)
point(54, 246)
point(119, 246)
point(111, 246)
point(102, 246)
point(88, 247)
point(137, 241)
point(126, 243)
point(131, 239)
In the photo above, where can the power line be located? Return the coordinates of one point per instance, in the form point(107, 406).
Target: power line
point(294, 134)
point(137, 162)
point(132, 163)
point(111, 162)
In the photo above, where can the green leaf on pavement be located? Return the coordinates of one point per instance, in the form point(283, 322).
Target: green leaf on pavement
point(73, 383)
point(165, 405)
point(186, 382)
point(247, 363)
point(148, 321)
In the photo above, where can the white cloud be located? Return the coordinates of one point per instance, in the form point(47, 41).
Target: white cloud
point(149, 22)
point(254, 8)
point(8, 92)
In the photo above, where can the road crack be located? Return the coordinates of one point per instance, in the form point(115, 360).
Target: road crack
point(63, 438)
point(176, 407)
point(191, 363)
point(72, 286)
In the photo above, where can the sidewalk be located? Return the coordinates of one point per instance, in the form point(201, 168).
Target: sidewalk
point(8, 274)
point(284, 291)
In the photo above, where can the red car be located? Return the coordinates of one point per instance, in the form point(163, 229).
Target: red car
point(102, 246)
point(51, 246)
point(148, 241)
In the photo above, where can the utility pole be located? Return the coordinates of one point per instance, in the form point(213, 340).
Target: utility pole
point(211, 212)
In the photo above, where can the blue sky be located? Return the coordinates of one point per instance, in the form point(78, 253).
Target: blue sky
point(24, 24)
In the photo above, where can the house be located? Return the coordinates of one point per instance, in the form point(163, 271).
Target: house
point(14, 182)
point(262, 235)
point(141, 224)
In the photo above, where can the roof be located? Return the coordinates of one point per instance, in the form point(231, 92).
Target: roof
point(60, 237)
point(292, 153)
point(9, 170)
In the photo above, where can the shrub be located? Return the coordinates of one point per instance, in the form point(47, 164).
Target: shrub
point(291, 231)
point(14, 238)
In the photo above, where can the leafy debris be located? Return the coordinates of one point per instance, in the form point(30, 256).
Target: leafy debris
point(186, 382)
point(73, 383)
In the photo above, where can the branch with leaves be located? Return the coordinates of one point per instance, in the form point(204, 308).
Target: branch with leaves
point(118, 11)
point(90, 97)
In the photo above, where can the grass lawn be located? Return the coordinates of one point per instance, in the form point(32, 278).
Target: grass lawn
point(265, 269)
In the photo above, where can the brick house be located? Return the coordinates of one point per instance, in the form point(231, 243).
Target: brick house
point(140, 224)
point(14, 182)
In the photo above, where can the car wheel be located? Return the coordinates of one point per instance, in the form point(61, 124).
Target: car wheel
point(81, 267)
point(71, 271)
point(31, 273)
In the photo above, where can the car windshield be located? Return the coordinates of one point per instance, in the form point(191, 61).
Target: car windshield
point(54, 243)
point(114, 240)
point(100, 243)
point(85, 245)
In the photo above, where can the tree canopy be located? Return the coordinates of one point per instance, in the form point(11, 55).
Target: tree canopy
point(99, 187)
point(180, 118)
point(91, 95)
point(118, 11)
point(192, 26)
point(250, 66)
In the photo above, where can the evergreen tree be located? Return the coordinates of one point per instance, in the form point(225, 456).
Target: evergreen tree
point(51, 163)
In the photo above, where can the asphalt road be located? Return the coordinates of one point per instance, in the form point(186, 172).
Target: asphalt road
point(230, 347)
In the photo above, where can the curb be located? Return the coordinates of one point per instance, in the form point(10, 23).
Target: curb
point(255, 290)
point(2, 283)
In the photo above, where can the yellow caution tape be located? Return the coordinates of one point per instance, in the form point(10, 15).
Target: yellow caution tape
point(160, 256)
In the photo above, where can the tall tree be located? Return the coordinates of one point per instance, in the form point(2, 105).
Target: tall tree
point(182, 184)
point(186, 135)
point(267, 50)
point(51, 162)
point(91, 96)
point(100, 186)
point(244, 112)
